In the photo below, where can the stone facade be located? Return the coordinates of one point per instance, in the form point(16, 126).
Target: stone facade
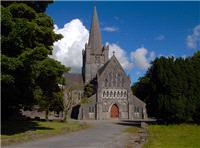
point(113, 97)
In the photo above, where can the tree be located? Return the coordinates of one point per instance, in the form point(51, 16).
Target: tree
point(170, 89)
point(69, 101)
point(26, 39)
point(48, 80)
point(90, 88)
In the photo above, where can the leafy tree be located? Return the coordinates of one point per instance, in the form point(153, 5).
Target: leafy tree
point(26, 41)
point(90, 88)
point(69, 101)
point(49, 77)
point(170, 89)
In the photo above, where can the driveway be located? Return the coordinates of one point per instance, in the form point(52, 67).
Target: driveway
point(102, 134)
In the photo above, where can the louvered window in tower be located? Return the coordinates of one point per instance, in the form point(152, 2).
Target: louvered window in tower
point(97, 59)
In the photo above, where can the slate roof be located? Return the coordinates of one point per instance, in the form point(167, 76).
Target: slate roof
point(138, 100)
point(100, 71)
point(103, 67)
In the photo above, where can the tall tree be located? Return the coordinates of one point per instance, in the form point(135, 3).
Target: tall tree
point(171, 89)
point(26, 39)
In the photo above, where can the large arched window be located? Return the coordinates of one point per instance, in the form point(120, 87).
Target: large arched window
point(122, 83)
point(114, 80)
point(118, 80)
point(110, 79)
point(106, 82)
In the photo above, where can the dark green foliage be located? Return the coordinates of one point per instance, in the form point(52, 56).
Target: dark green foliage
point(171, 89)
point(38, 6)
point(29, 76)
point(90, 88)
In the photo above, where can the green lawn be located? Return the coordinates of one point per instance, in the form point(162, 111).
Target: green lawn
point(19, 131)
point(173, 136)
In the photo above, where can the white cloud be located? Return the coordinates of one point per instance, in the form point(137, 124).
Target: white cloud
point(110, 29)
point(68, 50)
point(121, 55)
point(152, 56)
point(141, 58)
point(160, 38)
point(193, 40)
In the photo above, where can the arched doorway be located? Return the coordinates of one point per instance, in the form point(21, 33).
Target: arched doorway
point(114, 111)
point(75, 112)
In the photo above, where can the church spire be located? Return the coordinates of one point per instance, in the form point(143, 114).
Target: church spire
point(95, 34)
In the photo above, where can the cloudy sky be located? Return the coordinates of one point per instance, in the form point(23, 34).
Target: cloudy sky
point(137, 31)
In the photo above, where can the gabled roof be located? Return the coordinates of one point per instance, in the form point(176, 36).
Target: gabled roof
point(103, 67)
point(136, 99)
point(113, 58)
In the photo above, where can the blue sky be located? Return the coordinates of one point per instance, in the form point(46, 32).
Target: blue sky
point(159, 27)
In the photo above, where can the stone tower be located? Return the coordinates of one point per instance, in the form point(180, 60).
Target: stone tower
point(95, 54)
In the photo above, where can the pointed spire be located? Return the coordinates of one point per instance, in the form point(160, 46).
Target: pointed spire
point(95, 34)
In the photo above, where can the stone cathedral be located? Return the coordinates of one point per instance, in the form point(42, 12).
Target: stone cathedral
point(113, 97)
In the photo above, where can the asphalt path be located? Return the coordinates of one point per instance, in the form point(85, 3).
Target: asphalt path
point(102, 134)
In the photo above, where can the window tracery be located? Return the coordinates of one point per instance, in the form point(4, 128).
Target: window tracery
point(110, 79)
point(106, 82)
point(118, 80)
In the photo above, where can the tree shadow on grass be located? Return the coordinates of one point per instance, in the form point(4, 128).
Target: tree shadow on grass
point(16, 127)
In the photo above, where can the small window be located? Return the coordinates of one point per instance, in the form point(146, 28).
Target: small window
point(125, 94)
point(118, 94)
point(136, 109)
point(97, 59)
point(104, 93)
point(111, 93)
point(91, 109)
point(114, 93)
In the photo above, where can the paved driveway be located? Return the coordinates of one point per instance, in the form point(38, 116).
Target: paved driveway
point(103, 134)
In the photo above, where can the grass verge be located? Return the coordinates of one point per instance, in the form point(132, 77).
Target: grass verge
point(173, 136)
point(21, 131)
